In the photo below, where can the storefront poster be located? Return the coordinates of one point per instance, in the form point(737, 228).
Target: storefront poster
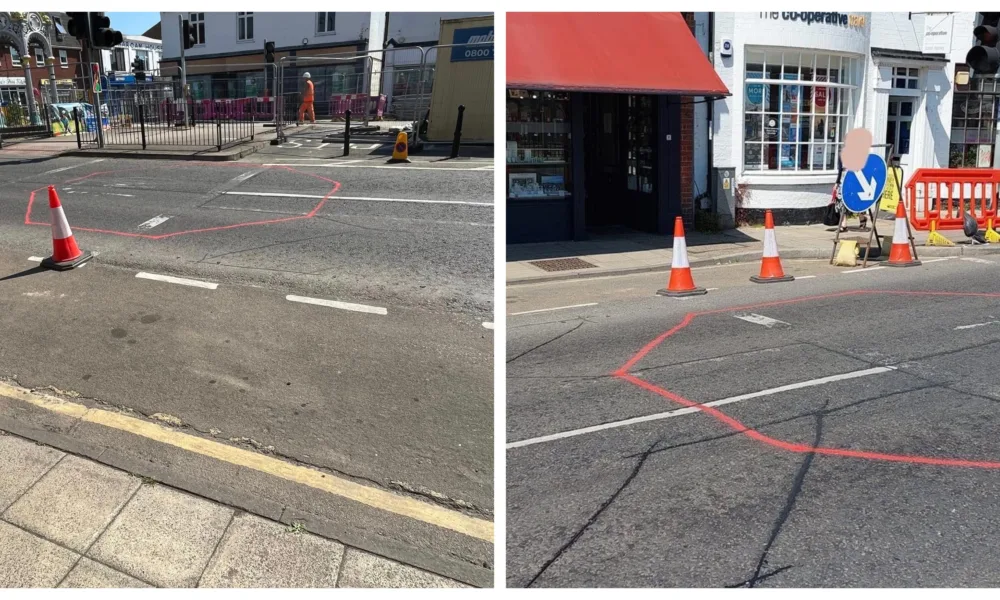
point(756, 93)
point(790, 95)
point(819, 96)
point(984, 159)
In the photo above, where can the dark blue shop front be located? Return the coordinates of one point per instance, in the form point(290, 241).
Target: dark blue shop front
point(594, 139)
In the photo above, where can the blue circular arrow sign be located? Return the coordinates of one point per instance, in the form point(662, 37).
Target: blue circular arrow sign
point(861, 190)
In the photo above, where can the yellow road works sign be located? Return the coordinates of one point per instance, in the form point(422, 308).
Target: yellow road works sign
point(890, 195)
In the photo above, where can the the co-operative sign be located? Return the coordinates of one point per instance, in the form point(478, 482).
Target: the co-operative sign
point(473, 35)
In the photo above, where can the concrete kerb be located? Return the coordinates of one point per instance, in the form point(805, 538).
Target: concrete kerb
point(748, 257)
point(229, 154)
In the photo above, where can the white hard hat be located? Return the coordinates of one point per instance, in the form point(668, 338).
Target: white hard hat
point(307, 75)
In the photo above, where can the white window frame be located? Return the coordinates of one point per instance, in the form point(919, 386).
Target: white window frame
point(63, 58)
point(197, 21)
point(838, 112)
point(245, 19)
point(899, 118)
point(39, 56)
point(909, 77)
point(326, 30)
point(15, 56)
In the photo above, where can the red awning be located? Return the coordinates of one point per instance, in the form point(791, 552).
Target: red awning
point(649, 53)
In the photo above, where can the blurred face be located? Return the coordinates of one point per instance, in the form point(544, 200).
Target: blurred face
point(857, 145)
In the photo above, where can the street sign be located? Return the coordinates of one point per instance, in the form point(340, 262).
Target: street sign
point(890, 195)
point(861, 189)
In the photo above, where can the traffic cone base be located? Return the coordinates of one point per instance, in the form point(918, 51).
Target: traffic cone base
point(681, 282)
point(770, 264)
point(50, 263)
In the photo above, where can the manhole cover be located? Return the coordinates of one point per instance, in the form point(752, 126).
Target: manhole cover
point(562, 264)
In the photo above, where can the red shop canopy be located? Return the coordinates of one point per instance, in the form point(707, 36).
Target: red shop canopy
point(650, 53)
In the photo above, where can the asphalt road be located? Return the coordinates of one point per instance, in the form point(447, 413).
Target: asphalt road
point(851, 439)
point(398, 397)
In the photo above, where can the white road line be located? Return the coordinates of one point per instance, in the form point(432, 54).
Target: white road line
point(360, 198)
point(540, 310)
point(96, 160)
point(760, 320)
point(260, 210)
point(797, 277)
point(375, 310)
point(710, 289)
point(157, 220)
point(934, 260)
point(863, 270)
point(245, 176)
point(37, 259)
point(974, 325)
point(343, 166)
point(178, 280)
point(693, 409)
point(978, 261)
point(487, 325)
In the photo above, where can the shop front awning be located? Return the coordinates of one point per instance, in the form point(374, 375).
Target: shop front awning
point(638, 53)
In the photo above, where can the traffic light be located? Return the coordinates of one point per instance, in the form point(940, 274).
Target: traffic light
point(139, 68)
point(78, 25)
point(269, 52)
point(187, 35)
point(101, 33)
point(984, 58)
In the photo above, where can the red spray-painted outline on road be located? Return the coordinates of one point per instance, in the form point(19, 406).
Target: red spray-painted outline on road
point(623, 374)
point(311, 214)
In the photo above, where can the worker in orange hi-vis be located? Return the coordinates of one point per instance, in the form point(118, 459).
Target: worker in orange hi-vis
point(308, 96)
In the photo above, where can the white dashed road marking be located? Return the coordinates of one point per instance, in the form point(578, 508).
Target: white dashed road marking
point(797, 277)
point(760, 320)
point(529, 312)
point(693, 409)
point(157, 220)
point(375, 310)
point(978, 261)
point(37, 259)
point(487, 325)
point(865, 270)
point(974, 325)
point(178, 280)
point(97, 160)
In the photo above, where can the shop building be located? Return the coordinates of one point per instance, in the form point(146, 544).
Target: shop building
point(801, 81)
point(119, 60)
point(602, 140)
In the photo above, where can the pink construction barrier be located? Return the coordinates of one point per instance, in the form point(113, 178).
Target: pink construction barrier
point(358, 104)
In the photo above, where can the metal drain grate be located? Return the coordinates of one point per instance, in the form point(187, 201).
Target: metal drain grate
point(562, 264)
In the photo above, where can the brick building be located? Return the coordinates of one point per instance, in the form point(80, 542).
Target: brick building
point(603, 141)
point(65, 50)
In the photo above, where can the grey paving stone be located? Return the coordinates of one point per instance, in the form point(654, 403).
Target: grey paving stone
point(163, 536)
point(257, 553)
point(74, 502)
point(23, 463)
point(364, 570)
point(90, 574)
point(28, 561)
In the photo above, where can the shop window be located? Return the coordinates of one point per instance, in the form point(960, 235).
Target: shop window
point(797, 108)
point(905, 78)
point(974, 125)
point(538, 144)
point(118, 63)
point(640, 161)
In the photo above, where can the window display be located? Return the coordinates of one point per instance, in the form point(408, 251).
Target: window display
point(974, 123)
point(797, 108)
point(538, 144)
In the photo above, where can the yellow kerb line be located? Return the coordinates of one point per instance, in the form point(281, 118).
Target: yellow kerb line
point(376, 498)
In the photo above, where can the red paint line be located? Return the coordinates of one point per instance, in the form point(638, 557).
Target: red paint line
point(319, 206)
point(739, 427)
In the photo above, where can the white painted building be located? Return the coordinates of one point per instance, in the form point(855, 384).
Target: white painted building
point(119, 59)
point(800, 81)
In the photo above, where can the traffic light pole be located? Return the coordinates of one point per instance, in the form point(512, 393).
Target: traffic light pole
point(184, 87)
point(95, 80)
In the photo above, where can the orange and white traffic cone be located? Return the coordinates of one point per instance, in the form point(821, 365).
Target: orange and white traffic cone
point(770, 264)
point(681, 282)
point(65, 253)
point(899, 255)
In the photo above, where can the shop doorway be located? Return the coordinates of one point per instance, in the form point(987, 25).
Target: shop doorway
point(620, 162)
point(898, 125)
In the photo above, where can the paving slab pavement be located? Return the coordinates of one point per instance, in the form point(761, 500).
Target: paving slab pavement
point(74, 522)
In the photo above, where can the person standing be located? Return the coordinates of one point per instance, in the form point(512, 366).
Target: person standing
point(308, 97)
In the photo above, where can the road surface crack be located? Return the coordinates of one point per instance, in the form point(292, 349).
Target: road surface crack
point(561, 335)
point(593, 518)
